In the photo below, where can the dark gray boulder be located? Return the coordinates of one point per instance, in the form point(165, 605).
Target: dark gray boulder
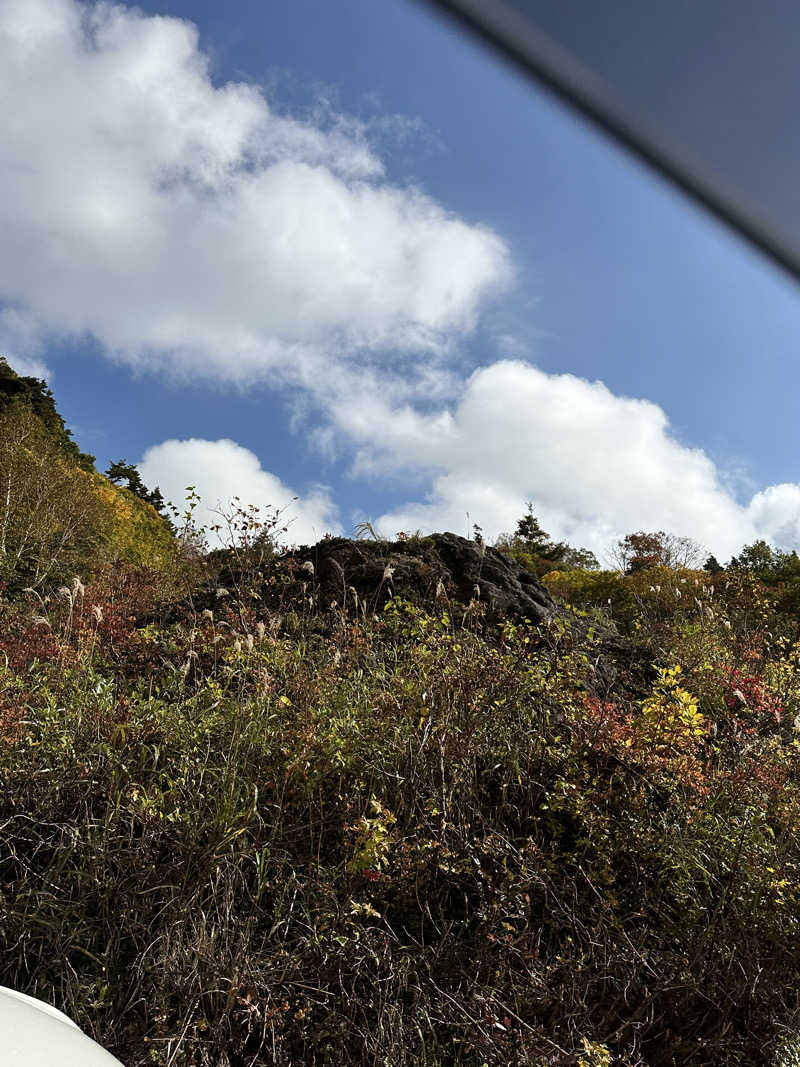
point(504, 585)
point(442, 565)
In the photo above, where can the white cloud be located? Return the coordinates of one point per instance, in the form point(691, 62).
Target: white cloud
point(27, 367)
point(190, 228)
point(775, 512)
point(222, 470)
point(21, 343)
point(596, 465)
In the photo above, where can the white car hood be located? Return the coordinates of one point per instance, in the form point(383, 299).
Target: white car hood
point(34, 1034)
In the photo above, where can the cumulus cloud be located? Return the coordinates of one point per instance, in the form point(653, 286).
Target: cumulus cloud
point(21, 343)
point(189, 227)
point(222, 470)
point(775, 513)
point(596, 465)
point(29, 367)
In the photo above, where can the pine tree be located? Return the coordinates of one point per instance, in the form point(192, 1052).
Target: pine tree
point(34, 393)
point(122, 471)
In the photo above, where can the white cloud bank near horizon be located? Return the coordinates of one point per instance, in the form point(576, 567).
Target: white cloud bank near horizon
point(192, 230)
point(223, 470)
point(596, 466)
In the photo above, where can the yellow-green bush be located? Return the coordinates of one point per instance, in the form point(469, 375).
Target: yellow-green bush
point(58, 519)
point(130, 528)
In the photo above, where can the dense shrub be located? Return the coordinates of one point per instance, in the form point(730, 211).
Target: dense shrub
point(241, 838)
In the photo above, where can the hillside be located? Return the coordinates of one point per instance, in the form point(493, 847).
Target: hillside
point(58, 516)
point(249, 820)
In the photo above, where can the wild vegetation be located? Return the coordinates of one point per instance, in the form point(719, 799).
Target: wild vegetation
point(240, 826)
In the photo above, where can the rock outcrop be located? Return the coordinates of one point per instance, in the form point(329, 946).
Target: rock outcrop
point(420, 570)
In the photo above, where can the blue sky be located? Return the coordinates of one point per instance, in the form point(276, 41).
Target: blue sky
point(492, 260)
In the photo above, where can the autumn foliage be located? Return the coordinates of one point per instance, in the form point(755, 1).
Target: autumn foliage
point(271, 837)
point(302, 833)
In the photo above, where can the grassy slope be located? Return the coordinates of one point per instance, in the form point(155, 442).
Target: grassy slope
point(261, 839)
